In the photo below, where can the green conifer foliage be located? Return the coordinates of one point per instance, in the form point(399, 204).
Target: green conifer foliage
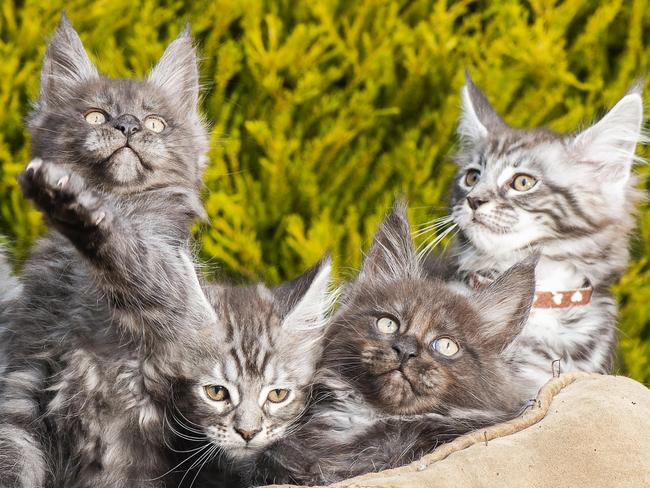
point(323, 110)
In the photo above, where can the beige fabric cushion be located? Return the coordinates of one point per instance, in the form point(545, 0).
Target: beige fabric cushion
point(585, 430)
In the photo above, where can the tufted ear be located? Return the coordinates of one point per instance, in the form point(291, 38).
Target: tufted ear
point(66, 64)
point(392, 253)
point(506, 303)
point(306, 301)
point(609, 145)
point(478, 118)
point(177, 72)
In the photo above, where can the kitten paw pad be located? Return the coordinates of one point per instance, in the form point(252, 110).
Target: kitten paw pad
point(61, 195)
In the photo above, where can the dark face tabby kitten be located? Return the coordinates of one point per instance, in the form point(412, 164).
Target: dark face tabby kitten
point(569, 196)
point(94, 335)
point(408, 363)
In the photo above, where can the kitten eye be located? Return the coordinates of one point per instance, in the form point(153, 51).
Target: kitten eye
point(386, 325)
point(278, 395)
point(155, 123)
point(445, 346)
point(472, 176)
point(95, 117)
point(217, 393)
point(523, 182)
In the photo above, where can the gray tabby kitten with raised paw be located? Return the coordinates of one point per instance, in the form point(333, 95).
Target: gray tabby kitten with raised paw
point(570, 197)
point(408, 364)
point(93, 336)
point(101, 385)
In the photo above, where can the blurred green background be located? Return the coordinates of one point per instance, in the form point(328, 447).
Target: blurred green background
point(323, 110)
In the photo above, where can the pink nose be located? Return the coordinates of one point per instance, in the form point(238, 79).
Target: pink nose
point(247, 435)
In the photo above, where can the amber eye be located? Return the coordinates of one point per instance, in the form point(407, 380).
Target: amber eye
point(445, 346)
point(217, 393)
point(472, 176)
point(95, 117)
point(523, 182)
point(155, 123)
point(387, 325)
point(278, 395)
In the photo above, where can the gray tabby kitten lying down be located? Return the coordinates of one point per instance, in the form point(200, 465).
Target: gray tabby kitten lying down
point(96, 314)
point(570, 197)
point(408, 364)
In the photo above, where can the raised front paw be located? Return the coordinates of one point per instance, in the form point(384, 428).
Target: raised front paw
point(63, 197)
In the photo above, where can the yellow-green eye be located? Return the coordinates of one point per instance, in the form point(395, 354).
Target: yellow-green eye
point(445, 346)
point(217, 393)
point(95, 117)
point(386, 325)
point(278, 395)
point(523, 182)
point(155, 123)
point(472, 176)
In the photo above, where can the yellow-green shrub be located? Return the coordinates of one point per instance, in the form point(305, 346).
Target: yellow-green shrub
point(323, 110)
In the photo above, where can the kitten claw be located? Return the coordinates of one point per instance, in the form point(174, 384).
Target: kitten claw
point(34, 165)
point(63, 181)
point(98, 219)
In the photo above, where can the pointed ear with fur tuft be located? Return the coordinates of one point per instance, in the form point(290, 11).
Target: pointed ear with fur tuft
point(610, 144)
point(506, 303)
point(392, 253)
point(478, 118)
point(305, 302)
point(177, 72)
point(66, 64)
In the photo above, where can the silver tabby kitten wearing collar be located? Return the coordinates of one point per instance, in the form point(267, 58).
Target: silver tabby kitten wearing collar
point(570, 197)
point(117, 172)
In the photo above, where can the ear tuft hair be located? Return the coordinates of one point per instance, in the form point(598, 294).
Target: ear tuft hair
point(505, 304)
point(392, 253)
point(66, 64)
point(610, 144)
point(478, 118)
point(177, 72)
point(306, 301)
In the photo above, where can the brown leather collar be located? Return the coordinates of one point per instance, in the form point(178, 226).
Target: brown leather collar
point(544, 299)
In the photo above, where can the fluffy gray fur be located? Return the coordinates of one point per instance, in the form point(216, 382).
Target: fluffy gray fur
point(98, 329)
point(578, 215)
point(111, 353)
point(376, 407)
point(9, 290)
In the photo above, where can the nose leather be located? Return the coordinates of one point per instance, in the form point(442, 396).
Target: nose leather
point(406, 347)
point(247, 435)
point(475, 202)
point(127, 124)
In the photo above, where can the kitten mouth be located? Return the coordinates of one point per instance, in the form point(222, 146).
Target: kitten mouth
point(123, 153)
point(398, 376)
point(494, 228)
point(124, 165)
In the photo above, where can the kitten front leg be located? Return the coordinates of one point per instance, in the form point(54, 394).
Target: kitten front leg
point(134, 248)
point(78, 213)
